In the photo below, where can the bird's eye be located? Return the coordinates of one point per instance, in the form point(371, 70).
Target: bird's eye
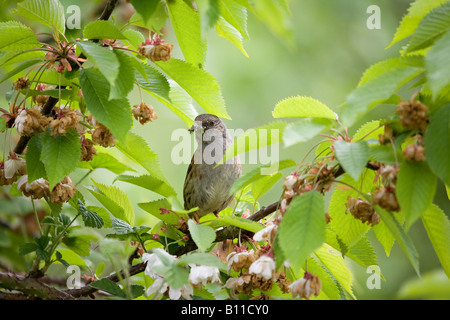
point(211, 123)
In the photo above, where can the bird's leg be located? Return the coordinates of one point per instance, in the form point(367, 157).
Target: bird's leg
point(216, 213)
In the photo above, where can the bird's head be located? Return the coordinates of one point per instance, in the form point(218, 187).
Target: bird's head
point(204, 122)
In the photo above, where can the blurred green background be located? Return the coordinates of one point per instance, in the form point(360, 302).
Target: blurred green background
point(333, 47)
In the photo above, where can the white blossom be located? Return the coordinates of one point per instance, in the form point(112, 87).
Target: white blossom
point(20, 120)
point(266, 233)
point(12, 166)
point(202, 275)
point(264, 267)
point(153, 261)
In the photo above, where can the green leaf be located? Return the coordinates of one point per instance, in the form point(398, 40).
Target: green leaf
point(437, 226)
point(69, 257)
point(304, 130)
point(204, 259)
point(27, 248)
point(115, 200)
point(302, 107)
point(114, 114)
point(302, 229)
point(437, 144)
point(47, 12)
point(176, 275)
point(103, 58)
point(348, 229)
point(150, 183)
point(228, 32)
point(103, 213)
point(437, 63)
point(167, 92)
point(415, 189)
point(263, 185)
point(353, 156)
point(125, 81)
point(329, 286)
point(16, 37)
point(155, 23)
point(411, 20)
point(104, 160)
point(209, 12)
point(239, 222)
point(376, 91)
point(153, 208)
point(402, 238)
point(202, 235)
point(60, 155)
point(145, 8)
point(235, 14)
point(256, 138)
point(334, 263)
point(90, 218)
point(259, 173)
point(136, 148)
point(186, 26)
point(19, 68)
point(108, 286)
point(200, 85)
point(133, 38)
point(369, 130)
point(434, 25)
point(101, 29)
point(35, 167)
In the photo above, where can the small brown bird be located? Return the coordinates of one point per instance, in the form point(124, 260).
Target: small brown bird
point(206, 186)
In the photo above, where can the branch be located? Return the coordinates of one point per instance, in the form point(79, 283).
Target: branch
point(30, 288)
point(51, 102)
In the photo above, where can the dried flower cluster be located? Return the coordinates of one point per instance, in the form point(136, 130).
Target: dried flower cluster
point(413, 114)
point(65, 119)
point(63, 191)
point(155, 49)
point(30, 122)
point(306, 287)
point(414, 152)
point(144, 113)
point(362, 210)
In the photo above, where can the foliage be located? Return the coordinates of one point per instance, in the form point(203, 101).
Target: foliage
point(384, 177)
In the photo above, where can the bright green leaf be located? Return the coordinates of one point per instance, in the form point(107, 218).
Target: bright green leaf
point(125, 81)
point(101, 29)
point(186, 26)
point(150, 183)
point(302, 107)
point(103, 58)
point(228, 32)
point(47, 12)
point(145, 8)
point(137, 149)
point(353, 156)
point(302, 229)
point(239, 222)
point(434, 25)
point(411, 20)
point(437, 63)
point(437, 144)
point(114, 114)
point(437, 226)
point(415, 189)
point(104, 160)
point(108, 286)
point(60, 155)
point(304, 130)
point(202, 235)
point(200, 85)
point(235, 14)
point(263, 185)
point(35, 167)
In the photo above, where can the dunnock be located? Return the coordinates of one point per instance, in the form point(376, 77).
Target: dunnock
point(207, 186)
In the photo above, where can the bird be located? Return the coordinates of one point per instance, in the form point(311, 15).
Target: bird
point(208, 186)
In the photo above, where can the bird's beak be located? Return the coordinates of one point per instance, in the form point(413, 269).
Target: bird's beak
point(196, 126)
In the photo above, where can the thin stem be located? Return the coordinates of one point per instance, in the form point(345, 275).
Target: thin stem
point(37, 218)
point(84, 177)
